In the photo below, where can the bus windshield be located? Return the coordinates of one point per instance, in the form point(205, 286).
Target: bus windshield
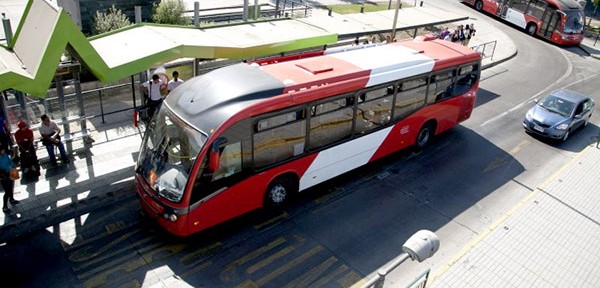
point(168, 152)
point(574, 22)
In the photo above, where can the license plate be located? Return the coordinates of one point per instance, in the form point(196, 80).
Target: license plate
point(538, 128)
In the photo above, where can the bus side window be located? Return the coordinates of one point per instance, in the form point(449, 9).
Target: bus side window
point(442, 85)
point(467, 77)
point(410, 97)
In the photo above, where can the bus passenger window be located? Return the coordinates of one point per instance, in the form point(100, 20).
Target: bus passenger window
point(332, 124)
point(375, 111)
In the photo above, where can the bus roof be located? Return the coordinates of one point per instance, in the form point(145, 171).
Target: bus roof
point(567, 4)
point(207, 101)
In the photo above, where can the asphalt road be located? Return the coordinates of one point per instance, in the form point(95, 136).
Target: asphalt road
point(340, 232)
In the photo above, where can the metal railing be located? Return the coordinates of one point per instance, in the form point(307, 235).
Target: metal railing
point(486, 50)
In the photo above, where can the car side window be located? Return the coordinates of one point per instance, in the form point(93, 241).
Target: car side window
point(587, 105)
point(579, 109)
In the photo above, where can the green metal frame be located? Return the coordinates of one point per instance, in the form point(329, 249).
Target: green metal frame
point(65, 32)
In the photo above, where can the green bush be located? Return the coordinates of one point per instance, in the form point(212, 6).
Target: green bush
point(170, 12)
point(104, 22)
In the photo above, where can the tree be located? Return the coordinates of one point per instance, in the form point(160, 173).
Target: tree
point(104, 22)
point(596, 4)
point(170, 12)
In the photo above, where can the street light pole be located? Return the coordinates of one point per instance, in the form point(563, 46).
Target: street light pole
point(395, 20)
point(419, 246)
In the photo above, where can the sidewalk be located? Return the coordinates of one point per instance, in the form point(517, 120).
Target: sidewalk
point(547, 240)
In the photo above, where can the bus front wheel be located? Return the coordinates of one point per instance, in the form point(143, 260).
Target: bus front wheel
point(278, 193)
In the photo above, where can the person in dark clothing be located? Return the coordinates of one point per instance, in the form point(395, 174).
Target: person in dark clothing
point(29, 161)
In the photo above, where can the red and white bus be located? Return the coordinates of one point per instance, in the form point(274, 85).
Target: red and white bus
point(559, 21)
point(247, 136)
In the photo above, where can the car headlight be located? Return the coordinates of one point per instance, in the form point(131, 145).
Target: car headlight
point(528, 115)
point(562, 126)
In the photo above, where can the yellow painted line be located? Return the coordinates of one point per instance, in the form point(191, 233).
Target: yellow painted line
point(322, 282)
point(114, 255)
point(255, 253)
point(228, 273)
point(328, 195)
point(287, 266)
point(350, 279)
point(189, 258)
point(518, 147)
point(247, 284)
point(269, 260)
point(80, 242)
point(196, 269)
point(283, 215)
point(439, 272)
point(86, 253)
point(131, 284)
point(102, 273)
point(305, 279)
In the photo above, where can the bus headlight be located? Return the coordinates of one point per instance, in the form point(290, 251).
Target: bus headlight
point(171, 216)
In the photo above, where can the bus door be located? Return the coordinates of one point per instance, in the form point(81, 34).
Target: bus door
point(550, 21)
point(216, 197)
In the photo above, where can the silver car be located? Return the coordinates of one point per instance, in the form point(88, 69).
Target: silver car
point(557, 115)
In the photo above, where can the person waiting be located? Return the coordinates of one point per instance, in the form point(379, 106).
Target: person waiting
point(29, 161)
point(50, 138)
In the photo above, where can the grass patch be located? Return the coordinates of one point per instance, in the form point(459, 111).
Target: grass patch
point(355, 8)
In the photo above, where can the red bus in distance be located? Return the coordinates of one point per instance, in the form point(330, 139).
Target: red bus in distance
point(558, 21)
point(248, 136)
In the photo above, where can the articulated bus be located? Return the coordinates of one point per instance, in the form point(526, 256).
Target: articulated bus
point(558, 21)
point(249, 135)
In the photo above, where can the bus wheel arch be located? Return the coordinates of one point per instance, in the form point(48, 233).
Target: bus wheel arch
point(531, 28)
point(426, 133)
point(479, 5)
point(280, 190)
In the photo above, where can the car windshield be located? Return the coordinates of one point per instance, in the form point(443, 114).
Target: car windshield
point(574, 22)
point(557, 105)
point(167, 154)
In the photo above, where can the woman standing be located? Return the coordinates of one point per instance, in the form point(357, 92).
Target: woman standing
point(6, 164)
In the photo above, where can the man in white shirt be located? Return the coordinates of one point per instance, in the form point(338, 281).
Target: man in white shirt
point(175, 82)
point(152, 89)
point(51, 137)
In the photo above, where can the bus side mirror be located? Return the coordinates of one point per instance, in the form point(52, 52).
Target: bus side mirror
point(215, 155)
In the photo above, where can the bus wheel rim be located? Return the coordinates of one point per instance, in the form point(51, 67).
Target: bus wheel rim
point(278, 193)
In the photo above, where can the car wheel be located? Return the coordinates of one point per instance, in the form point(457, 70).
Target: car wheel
point(278, 193)
point(566, 136)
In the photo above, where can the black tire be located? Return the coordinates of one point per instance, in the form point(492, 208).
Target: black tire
point(531, 29)
point(424, 136)
point(479, 6)
point(278, 193)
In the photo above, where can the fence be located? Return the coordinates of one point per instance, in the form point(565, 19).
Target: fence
point(486, 50)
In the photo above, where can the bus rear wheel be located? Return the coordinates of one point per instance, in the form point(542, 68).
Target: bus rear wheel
point(424, 136)
point(479, 5)
point(278, 193)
